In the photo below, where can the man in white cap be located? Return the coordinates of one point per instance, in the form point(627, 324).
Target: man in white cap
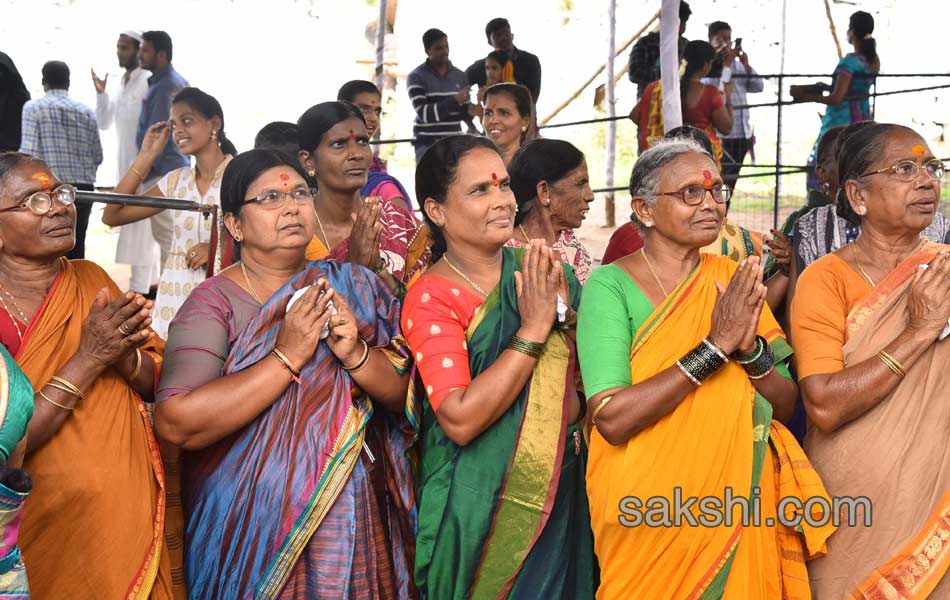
point(136, 245)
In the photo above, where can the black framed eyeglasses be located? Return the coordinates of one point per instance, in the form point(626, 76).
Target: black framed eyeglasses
point(908, 170)
point(275, 200)
point(40, 203)
point(693, 195)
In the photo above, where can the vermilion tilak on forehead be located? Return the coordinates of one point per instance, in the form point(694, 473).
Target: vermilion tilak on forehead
point(43, 178)
point(285, 178)
point(918, 150)
point(494, 180)
point(707, 180)
point(352, 135)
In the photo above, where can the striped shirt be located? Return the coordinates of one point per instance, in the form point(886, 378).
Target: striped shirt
point(438, 114)
point(62, 132)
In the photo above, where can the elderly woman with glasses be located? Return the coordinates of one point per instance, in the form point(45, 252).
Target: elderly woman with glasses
point(286, 386)
point(869, 321)
point(88, 351)
point(684, 368)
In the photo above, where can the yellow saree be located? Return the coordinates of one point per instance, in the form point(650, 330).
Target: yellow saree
point(720, 437)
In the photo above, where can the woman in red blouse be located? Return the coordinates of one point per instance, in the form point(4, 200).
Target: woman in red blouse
point(503, 507)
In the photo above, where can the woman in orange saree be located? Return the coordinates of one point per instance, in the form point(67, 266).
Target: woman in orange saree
point(95, 522)
point(869, 322)
point(681, 410)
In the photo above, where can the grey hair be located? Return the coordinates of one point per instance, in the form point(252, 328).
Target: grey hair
point(646, 171)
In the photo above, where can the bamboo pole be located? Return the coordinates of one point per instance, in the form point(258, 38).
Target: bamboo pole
point(611, 149)
point(601, 69)
point(831, 26)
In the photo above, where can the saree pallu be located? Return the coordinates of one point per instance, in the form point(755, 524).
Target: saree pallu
point(98, 503)
point(898, 456)
point(257, 501)
point(506, 516)
point(719, 437)
point(650, 125)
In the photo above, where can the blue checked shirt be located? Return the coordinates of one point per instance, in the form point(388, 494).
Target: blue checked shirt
point(62, 132)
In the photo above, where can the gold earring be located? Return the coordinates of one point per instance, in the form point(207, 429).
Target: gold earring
point(238, 238)
point(214, 135)
point(524, 130)
point(861, 210)
point(312, 173)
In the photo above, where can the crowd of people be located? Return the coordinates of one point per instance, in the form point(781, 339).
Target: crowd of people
point(319, 394)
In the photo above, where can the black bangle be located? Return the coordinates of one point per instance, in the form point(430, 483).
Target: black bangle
point(701, 362)
point(750, 357)
point(763, 364)
point(381, 266)
point(532, 349)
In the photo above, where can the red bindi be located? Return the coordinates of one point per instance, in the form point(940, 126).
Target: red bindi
point(352, 135)
point(707, 180)
point(284, 177)
point(43, 178)
point(494, 180)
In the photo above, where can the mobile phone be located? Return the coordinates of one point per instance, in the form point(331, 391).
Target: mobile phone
point(738, 43)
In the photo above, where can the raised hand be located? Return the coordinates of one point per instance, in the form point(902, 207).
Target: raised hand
point(366, 234)
point(197, 256)
point(155, 139)
point(928, 304)
point(536, 286)
point(781, 248)
point(735, 317)
point(344, 338)
point(114, 329)
point(100, 84)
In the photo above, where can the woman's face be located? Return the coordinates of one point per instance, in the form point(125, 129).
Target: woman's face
point(23, 233)
point(190, 131)
point(288, 227)
point(342, 159)
point(502, 121)
point(479, 208)
point(893, 205)
point(570, 198)
point(369, 105)
point(688, 226)
point(492, 71)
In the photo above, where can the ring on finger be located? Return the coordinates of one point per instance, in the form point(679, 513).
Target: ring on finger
point(342, 321)
point(124, 330)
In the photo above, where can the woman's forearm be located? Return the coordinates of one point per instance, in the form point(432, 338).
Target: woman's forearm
point(49, 413)
point(636, 407)
point(144, 381)
point(833, 400)
point(201, 417)
point(381, 382)
point(780, 392)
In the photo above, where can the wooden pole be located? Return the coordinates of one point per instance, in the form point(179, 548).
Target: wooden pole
point(600, 70)
point(831, 26)
point(611, 110)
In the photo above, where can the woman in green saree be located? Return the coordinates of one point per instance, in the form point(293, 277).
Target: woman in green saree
point(502, 506)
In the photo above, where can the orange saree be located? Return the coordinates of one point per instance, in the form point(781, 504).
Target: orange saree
point(720, 437)
point(897, 454)
point(94, 525)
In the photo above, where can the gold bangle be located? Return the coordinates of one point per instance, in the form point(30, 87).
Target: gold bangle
point(600, 407)
point(285, 362)
point(361, 362)
point(138, 366)
point(892, 364)
point(69, 386)
point(136, 171)
point(55, 403)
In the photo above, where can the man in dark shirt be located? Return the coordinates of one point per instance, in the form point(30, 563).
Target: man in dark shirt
point(155, 55)
point(644, 65)
point(526, 65)
point(439, 94)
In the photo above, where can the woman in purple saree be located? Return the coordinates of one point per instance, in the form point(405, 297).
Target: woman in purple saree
point(295, 478)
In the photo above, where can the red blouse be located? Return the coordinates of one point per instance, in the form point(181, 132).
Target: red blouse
point(435, 316)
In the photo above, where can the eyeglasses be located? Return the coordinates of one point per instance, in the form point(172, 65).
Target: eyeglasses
point(908, 170)
point(368, 110)
point(40, 203)
point(274, 200)
point(694, 195)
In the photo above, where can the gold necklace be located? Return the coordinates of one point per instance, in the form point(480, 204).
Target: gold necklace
point(477, 287)
point(655, 276)
point(854, 254)
point(524, 233)
point(326, 239)
point(250, 285)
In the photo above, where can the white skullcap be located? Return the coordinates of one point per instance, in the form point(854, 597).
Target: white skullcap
point(135, 34)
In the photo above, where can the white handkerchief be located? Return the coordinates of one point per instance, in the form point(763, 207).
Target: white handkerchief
point(561, 310)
